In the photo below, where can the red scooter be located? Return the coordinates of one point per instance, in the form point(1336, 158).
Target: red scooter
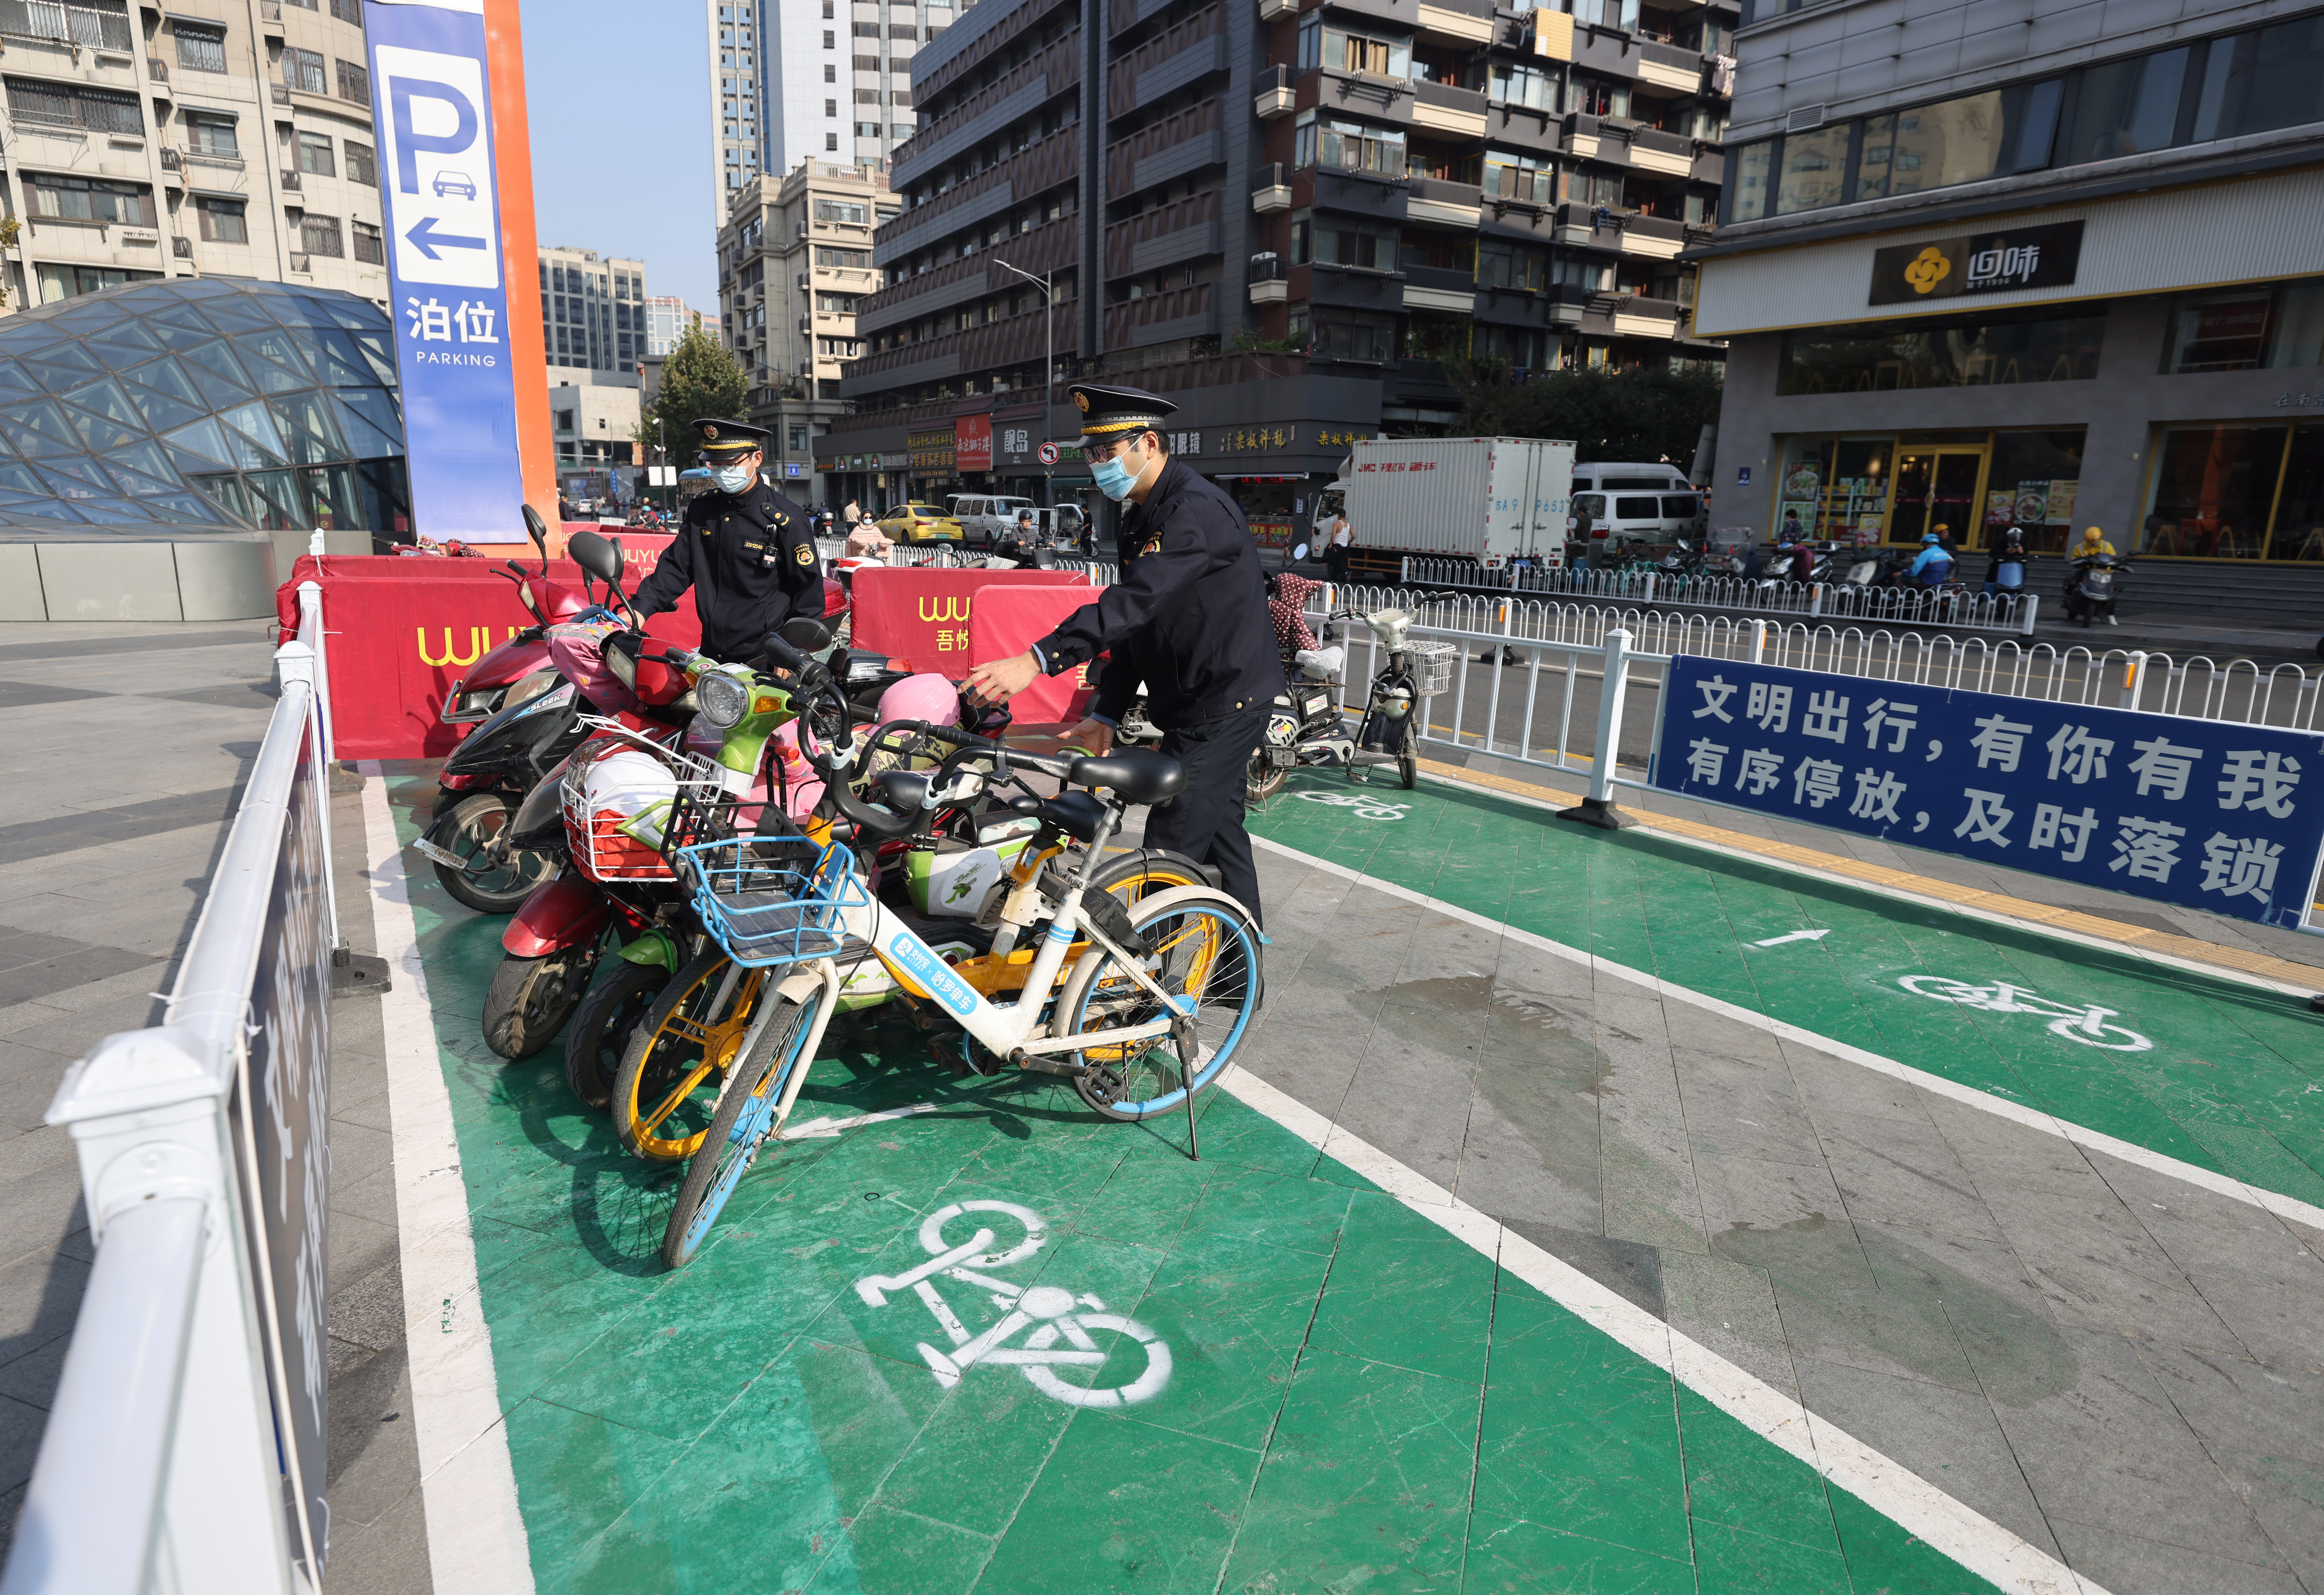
point(519, 668)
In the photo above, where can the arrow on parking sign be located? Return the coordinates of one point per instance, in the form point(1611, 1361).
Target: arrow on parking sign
point(424, 238)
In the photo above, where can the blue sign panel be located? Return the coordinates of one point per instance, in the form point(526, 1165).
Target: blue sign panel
point(2224, 818)
point(431, 103)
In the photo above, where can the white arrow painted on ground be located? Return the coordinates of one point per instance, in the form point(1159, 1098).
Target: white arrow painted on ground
point(820, 1128)
point(1797, 935)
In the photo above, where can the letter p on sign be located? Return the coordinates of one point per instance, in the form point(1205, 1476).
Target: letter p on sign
point(444, 212)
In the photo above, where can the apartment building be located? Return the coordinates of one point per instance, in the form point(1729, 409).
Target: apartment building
point(228, 137)
point(1291, 216)
point(794, 263)
point(595, 316)
point(666, 318)
point(811, 80)
point(2042, 262)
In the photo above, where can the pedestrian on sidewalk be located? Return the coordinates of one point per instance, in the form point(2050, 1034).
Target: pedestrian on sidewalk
point(1336, 543)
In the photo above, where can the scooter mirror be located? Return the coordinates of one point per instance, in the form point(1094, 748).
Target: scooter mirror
point(601, 557)
point(536, 529)
point(1299, 553)
point(804, 635)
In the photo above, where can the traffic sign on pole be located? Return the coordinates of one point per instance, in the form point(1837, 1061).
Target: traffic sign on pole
point(1048, 453)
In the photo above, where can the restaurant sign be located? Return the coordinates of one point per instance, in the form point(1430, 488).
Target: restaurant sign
point(931, 451)
point(1981, 263)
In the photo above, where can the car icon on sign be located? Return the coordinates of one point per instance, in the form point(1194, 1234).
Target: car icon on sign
point(454, 182)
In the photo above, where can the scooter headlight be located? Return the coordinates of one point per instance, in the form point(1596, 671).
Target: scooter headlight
point(722, 700)
point(528, 687)
point(1395, 702)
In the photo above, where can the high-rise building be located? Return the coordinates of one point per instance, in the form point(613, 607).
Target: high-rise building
point(594, 315)
point(801, 81)
point(666, 318)
point(794, 260)
point(1290, 224)
point(147, 145)
point(2051, 265)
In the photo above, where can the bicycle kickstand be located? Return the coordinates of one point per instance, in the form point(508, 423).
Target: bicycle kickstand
point(1182, 1035)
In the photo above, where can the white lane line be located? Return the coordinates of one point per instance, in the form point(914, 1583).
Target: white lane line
point(2274, 1201)
point(818, 1128)
point(1979, 1544)
point(477, 1543)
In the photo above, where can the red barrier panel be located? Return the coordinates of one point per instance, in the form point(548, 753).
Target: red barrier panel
point(640, 548)
point(1009, 619)
point(399, 631)
point(921, 613)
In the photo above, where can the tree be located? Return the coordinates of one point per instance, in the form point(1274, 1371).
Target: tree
point(1643, 413)
point(700, 380)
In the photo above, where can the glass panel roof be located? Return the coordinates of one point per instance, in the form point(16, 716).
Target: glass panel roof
point(111, 403)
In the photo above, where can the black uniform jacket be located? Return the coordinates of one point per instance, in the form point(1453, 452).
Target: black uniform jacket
point(1188, 616)
point(750, 558)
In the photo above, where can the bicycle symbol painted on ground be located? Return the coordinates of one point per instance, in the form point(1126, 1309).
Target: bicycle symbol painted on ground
point(2087, 1025)
point(1053, 1314)
point(1366, 809)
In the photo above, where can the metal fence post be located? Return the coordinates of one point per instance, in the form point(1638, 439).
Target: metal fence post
point(2127, 698)
point(2032, 602)
point(1759, 642)
point(1597, 808)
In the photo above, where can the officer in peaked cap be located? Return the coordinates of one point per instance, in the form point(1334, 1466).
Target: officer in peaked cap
point(746, 551)
point(1188, 618)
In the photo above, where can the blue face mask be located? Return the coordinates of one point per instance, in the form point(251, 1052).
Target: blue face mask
point(1115, 477)
point(733, 478)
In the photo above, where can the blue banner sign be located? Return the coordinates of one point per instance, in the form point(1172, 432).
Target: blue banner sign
point(431, 103)
point(2225, 817)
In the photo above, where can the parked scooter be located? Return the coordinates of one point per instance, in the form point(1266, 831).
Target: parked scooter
point(2098, 586)
point(1305, 726)
point(517, 668)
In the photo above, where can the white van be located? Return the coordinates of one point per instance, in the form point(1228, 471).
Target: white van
point(985, 517)
point(1643, 504)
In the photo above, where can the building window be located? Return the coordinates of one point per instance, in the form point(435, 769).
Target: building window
point(1343, 49)
point(102, 23)
point(2249, 492)
point(371, 247)
point(830, 144)
point(212, 136)
point(315, 155)
point(2000, 350)
point(199, 49)
point(830, 40)
point(56, 106)
point(830, 73)
point(355, 83)
point(1351, 146)
point(1513, 265)
point(2261, 328)
point(1524, 86)
point(320, 234)
point(59, 283)
point(361, 167)
point(221, 220)
point(303, 69)
point(88, 199)
point(843, 259)
point(348, 11)
point(1531, 178)
point(1748, 171)
point(1354, 334)
point(831, 107)
point(1815, 170)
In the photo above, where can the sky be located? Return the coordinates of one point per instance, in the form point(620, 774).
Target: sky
point(622, 157)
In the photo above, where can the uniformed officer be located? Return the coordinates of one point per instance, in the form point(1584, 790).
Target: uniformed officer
point(1188, 617)
point(746, 551)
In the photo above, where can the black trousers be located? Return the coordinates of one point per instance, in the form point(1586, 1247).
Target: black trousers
point(1205, 821)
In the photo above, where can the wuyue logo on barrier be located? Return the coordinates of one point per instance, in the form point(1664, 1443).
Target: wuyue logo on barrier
point(2224, 818)
point(432, 97)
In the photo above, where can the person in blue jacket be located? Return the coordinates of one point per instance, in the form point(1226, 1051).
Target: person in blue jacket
point(1934, 565)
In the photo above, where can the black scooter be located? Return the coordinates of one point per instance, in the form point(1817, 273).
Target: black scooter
point(2097, 585)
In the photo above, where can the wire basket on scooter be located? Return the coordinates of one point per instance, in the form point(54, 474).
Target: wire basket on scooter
point(1431, 666)
point(772, 900)
point(618, 804)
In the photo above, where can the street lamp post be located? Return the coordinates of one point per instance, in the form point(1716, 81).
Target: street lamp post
point(1048, 284)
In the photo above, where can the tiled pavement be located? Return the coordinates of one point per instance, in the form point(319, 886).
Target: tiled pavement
point(2113, 1362)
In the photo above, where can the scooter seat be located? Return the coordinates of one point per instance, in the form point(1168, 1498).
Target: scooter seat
point(1134, 774)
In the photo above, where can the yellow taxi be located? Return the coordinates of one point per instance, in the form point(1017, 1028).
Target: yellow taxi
point(917, 523)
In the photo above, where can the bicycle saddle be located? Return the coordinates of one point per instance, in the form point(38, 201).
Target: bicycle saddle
point(1135, 774)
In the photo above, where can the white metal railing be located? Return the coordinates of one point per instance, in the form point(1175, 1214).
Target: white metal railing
point(185, 1447)
point(1958, 610)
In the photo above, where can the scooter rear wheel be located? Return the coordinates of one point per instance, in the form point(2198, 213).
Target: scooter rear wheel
point(484, 886)
point(604, 1025)
point(531, 999)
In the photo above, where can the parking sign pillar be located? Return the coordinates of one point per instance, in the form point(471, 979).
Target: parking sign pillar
point(1597, 808)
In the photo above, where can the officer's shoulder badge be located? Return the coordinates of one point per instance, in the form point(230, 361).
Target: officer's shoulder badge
point(804, 554)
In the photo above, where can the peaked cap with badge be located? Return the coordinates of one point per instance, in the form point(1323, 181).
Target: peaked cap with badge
point(749, 557)
point(1111, 413)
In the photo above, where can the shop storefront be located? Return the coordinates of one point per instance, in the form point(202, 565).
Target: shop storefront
point(1868, 488)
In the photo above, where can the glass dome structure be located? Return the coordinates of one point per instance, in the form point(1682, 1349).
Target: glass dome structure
point(200, 404)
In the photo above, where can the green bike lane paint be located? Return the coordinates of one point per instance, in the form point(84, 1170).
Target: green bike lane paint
point(2217, 1075)
point(1369, 1387)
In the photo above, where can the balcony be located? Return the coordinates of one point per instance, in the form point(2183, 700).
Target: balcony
point(1275, 11)
point(1440, 203)
point(1439, 107)
point(1555, 304)
point(172, 161)
point(182, 248)
point(1670, 66)
point(1666, 154)
point(280, 93)
point(1184, 142)
point(1636, 316)
point(1355, 287)
point(1401, 13)
point(1650, 237)
point(1269, 282)
point(290, 180)
point(1432, 288)
point(1162, 317)
point(157, 69)
point(1270, 190)
point(1366, 193)
point(1275, 96)
point(1463, 23)
point(1183, 230)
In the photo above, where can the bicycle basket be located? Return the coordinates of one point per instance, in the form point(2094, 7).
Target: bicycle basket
point(773, 900)
point(1431, 666)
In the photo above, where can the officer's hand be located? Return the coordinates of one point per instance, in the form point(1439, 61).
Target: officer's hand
point(1002, 679)
point(1096, 735)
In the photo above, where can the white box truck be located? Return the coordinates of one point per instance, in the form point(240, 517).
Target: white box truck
point(1488, 499)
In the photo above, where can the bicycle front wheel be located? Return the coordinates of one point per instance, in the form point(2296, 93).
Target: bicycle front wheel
point(744, 1120)
point(664, 1095)
point(1202, 948)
